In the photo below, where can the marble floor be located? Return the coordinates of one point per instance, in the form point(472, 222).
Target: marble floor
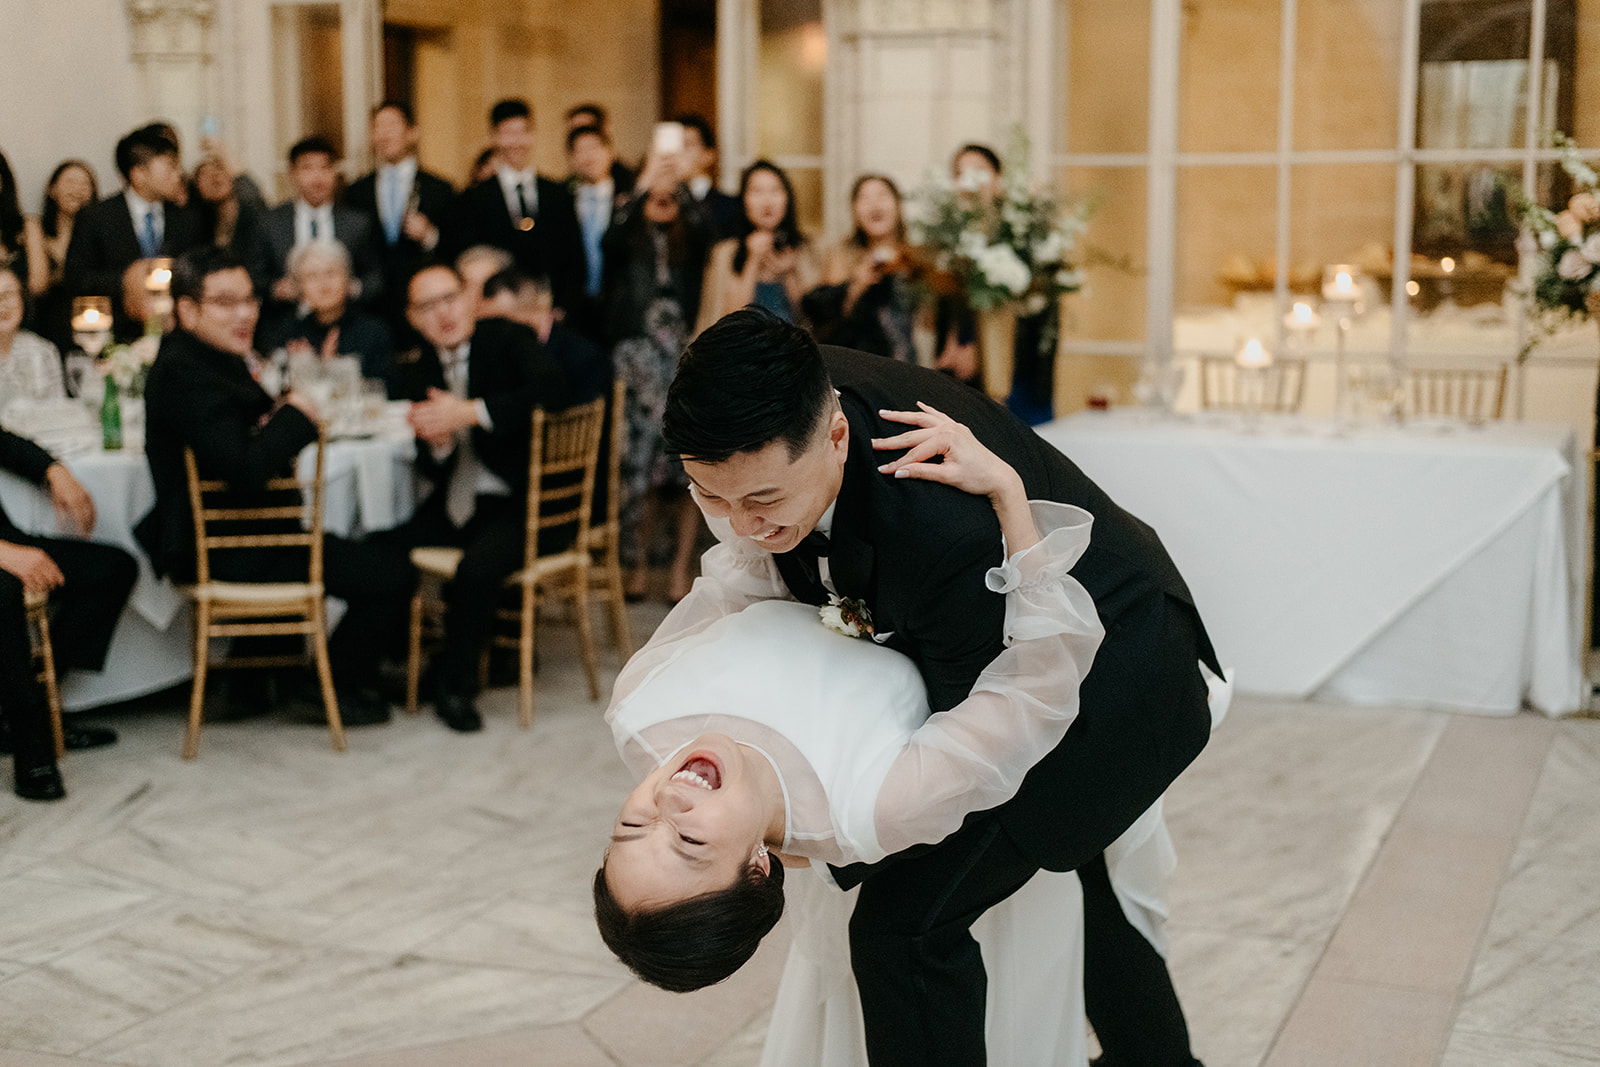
point(1357, 886)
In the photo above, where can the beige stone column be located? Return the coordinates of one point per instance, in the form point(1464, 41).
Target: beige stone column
point(173, 53)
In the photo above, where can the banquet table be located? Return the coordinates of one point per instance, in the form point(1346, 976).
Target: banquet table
point(1432, 563)
point(369, 487)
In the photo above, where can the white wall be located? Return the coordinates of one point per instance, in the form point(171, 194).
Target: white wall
point(70, 88)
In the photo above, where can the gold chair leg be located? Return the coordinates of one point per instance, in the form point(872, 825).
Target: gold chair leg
point(586, 631)
point(330, 700)
point(197, 690)
point(414, 654)
point(525, 658)
point(52, 692)
point(617, 604)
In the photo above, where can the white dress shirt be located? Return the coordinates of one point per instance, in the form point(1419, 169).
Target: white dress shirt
point(304, 213)
point(509, 182)
point(138, 208)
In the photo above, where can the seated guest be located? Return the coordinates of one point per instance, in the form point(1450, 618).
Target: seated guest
point(200, 395)
point(474, 385)
point(515, 296)
point(699, 164)
point(71, 188)
point(404, 202)
point(30, 366)
point(329, 326)
point(88, 586)
point(311, 216)
point(114, 240)
point(528, 215)
point(477, 265)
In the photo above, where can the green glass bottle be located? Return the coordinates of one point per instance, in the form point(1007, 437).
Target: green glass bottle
point(111, 417)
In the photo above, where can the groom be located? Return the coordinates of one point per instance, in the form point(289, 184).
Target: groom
point(776, 436)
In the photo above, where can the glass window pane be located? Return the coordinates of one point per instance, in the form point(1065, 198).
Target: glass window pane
point(1584, 123)
point(1228, 93)
point(1106, 79)
point(1110, 255)
point(1347, 74)
point(1342, 213)
point(794, 51)
point(1226, 222)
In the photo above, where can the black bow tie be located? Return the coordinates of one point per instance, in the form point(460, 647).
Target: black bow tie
point(813, 544)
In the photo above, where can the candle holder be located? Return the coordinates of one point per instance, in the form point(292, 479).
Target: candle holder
point(158, 290)
point(1341, 297)
point(1252, 361)
point(91, 323)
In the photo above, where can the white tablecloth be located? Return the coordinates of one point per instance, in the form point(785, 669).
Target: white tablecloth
point(1431, 564)
point(369, 488)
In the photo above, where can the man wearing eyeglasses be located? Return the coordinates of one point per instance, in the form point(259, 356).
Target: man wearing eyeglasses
point(201, 395)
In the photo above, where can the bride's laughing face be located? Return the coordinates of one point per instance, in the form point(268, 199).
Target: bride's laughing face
point(771, 498)
point(690, 827)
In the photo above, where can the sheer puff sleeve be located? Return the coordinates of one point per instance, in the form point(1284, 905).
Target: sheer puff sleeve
point(733, 575)
point(974, 756)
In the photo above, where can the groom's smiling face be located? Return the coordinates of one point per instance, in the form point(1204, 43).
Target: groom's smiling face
point(771, 498)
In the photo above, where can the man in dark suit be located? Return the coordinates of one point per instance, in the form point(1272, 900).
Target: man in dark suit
point(778, 438)
point(88, 586)
point(527, 215)
point(596, 195)
point(114, 240)
point(473, 387)
point(405, 203)
point(700, 164)
point(312, 216)
point(201, 395)
point(594, 115)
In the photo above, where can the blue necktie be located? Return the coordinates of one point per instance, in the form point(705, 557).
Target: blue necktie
point(314, 234)
point(395, 215)
point(149, 242)
point(593, 231)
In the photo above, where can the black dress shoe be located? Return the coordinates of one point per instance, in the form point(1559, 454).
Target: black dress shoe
point(456, 711)
point(77, 738)
point(362, 706)
point(40, 783)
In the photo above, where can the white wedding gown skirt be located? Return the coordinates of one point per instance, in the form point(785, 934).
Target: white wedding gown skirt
point(1032, 950)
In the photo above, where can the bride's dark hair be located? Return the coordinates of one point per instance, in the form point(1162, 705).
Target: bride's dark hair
point(750, 379)
point(696, 942)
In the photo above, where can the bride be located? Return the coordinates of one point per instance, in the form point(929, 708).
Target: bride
point(763, 741)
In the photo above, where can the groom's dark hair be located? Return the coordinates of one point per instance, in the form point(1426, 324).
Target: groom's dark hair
point(695, 942)
point(748, 380)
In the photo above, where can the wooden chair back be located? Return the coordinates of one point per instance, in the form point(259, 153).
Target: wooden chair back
point(1224, 386)
point(1475, 394)
point(214, 517)
point(561, 470)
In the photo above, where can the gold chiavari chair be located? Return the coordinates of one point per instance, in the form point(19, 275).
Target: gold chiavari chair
point(1225, 386)
point(605, 531)
point(563, 458)
point(255, 609)
point(1475, 394)
point(37, 606)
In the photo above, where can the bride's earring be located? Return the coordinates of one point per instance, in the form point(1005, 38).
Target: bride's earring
point(761, 851)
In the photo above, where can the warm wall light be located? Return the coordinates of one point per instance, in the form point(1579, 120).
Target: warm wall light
point(813, 46)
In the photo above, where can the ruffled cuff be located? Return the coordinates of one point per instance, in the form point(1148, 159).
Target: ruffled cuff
point(1063, 538)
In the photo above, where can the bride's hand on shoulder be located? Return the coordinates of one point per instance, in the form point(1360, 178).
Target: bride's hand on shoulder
point(940, 449)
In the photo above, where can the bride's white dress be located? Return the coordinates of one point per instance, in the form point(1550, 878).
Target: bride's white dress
point(866, 772)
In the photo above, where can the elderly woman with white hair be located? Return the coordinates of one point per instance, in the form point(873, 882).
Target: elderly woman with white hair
point(327, 323)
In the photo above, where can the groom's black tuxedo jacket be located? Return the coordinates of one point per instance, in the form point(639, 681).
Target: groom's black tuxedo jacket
point(916, 552)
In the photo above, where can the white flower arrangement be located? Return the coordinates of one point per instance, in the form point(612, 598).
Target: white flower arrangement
point(1568, 242)
point(1013, 250)
point(130, 363)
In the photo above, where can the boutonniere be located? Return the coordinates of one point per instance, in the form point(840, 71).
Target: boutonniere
point(844, 615)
